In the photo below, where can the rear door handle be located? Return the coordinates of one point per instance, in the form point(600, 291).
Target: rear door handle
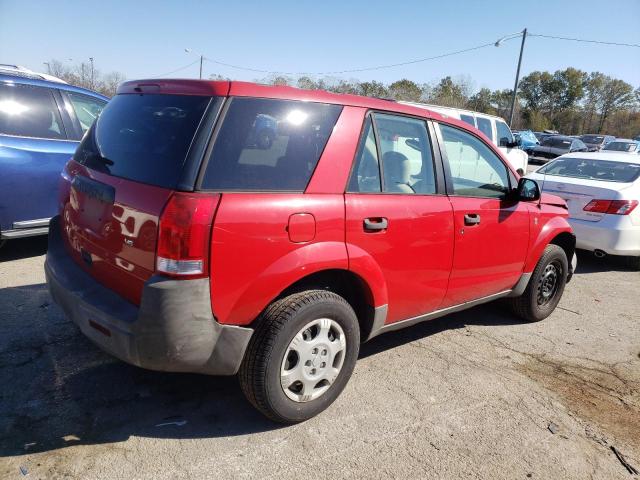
point(472, 219)
point(374, 224)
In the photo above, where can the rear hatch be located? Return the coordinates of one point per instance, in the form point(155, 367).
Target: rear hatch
point(120, 179)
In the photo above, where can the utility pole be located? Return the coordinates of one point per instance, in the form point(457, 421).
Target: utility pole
point(188, 50)
point(523, 33)
point(515, 86)
point(48, 67)
point(92, 71)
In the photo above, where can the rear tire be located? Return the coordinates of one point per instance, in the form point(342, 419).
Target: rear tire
point(312, 337)
point(545, 287)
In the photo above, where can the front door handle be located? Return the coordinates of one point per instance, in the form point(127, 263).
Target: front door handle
point(472, 219)
point(374, 224)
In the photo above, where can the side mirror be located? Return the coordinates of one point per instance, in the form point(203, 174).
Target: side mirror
point(528, 190)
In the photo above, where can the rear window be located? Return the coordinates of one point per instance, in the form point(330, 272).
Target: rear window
point(604, 170)
point(592, 138)
point(622, 146)
point(269, 145)
point(144, 138)
point(468, 119)
point(557, 142)
point(484, 125)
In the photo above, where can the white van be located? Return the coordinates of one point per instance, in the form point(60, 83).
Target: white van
point(495, 128)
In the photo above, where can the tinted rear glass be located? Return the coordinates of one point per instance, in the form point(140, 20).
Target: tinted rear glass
point(592, 138)
point(269, 145)
point(468, 118)
point(557, 142)
point(484, 125)
point(622, 146)
point(144, 138)
point(604, 170)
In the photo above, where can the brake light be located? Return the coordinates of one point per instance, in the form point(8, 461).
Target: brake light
point(183, 234)
point(613, 207)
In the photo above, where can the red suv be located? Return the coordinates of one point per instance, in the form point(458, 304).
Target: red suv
point(228, 227)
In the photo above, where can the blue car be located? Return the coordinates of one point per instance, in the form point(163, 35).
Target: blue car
point(527, 139)
point(42, 120)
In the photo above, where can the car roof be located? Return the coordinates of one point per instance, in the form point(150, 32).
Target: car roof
point(429, 106)
point(604, 155)
point(248, 89)
point(39, 82)
point(628, 140)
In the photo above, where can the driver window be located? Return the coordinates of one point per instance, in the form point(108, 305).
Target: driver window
point(476, 171)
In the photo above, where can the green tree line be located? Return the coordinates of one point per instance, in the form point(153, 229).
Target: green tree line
point(570, 101)
point(85, 75)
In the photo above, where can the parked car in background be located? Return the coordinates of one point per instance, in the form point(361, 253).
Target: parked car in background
point(602, 191)
point(42, 119)
point(622, 145)
point(596, 143)
point(554, 146)
point(495, 128)
point(542, 135)
point(363, 216)
point(526, 139)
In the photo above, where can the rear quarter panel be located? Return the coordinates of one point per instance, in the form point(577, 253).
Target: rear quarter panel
point(253, 258)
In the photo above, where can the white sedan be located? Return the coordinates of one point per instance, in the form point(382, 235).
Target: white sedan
point(602, 191)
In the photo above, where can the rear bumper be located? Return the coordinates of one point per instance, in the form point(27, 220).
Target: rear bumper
point(616, 236)
point(173, 329)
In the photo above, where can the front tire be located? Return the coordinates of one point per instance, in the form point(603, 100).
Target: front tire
point(301, 355)
point(545, 287)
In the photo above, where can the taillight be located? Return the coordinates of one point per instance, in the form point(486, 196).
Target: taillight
point(183, 235)
point(614, 207)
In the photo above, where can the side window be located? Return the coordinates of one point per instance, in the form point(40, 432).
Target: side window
point(476, 171)
point(405, 149)
point(87, 108)
point(269, 145)
point(484, 125)
point(468, 118)
point(365, 177)
point(27, 111)
point(504, 133)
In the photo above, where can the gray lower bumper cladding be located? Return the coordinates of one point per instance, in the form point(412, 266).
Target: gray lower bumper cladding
point(173, 329)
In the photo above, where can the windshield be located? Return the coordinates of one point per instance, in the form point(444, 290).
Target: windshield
point(144, 138)
point(604, 170)
point(592, 139)
point(622, 146)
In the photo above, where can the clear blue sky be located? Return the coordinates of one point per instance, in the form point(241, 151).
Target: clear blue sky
point(143, 38)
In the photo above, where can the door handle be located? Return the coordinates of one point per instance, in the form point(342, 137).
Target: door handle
point(472, 219)
point(374, 224)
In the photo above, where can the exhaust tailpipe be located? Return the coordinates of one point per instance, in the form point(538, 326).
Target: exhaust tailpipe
point(599, 253)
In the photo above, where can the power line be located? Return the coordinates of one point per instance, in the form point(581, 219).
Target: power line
point(585, 40)
point(392, 65)
point(353, 70)
point(176, 70)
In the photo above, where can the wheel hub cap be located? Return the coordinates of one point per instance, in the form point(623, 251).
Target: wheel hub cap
point(313, 360)
point(548, 284)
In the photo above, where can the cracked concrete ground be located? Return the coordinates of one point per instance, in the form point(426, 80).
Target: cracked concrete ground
point(472, 395)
